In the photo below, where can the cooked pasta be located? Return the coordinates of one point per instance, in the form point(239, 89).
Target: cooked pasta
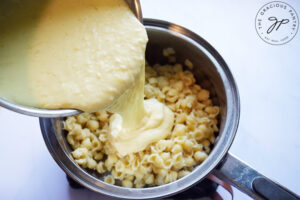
point(161, 162)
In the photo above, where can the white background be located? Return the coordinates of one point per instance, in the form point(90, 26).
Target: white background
point(268, 78)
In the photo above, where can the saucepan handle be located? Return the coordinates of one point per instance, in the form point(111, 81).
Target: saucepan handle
point(251, 182)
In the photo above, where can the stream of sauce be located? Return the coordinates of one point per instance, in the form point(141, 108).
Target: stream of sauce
point(82, 54)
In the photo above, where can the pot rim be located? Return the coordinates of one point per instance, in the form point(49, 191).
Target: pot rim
point(200, 172)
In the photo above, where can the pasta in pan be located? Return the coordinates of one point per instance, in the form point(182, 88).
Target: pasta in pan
point(161, 162)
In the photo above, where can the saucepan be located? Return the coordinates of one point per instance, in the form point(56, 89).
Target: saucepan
point(135, 7)
point(212, 73)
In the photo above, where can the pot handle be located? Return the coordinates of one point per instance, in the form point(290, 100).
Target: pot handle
point(251, 182)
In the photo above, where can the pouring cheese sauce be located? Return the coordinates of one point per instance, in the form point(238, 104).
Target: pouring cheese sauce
point(83, 54)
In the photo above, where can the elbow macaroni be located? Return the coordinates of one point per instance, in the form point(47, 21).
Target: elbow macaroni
point(166, 160)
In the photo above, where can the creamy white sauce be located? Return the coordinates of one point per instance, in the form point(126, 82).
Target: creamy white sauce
point(82, 54)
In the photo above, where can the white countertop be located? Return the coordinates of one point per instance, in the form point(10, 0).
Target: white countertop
point(268, 78)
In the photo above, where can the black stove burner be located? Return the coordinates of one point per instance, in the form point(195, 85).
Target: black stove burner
point(205, 188)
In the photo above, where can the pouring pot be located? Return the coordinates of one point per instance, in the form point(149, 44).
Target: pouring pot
point(135, 7)
point(212, 73)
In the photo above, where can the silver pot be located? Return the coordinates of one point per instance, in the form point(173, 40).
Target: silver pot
point(211, 73)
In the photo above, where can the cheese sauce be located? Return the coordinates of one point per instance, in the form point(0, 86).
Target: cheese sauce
point(82, 54)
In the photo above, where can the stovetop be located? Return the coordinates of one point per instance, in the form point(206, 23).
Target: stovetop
point(205, 188)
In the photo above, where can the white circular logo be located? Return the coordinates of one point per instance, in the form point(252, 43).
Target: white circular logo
point(276, 23)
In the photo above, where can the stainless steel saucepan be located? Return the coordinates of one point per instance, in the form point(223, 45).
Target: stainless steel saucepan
point(211, 73)
point(135, 7)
